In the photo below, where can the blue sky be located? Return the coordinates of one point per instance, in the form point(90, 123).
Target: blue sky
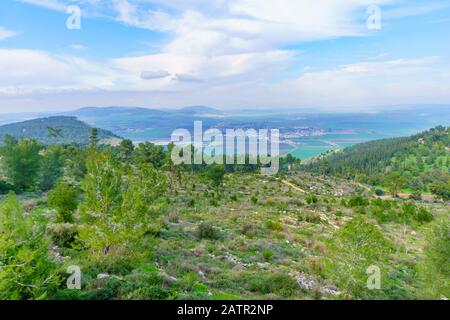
point(223, 53)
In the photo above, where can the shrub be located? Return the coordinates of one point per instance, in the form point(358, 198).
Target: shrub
point(311, 198)
point(339, 213)
point(267, 254)
point(268, 283)
point(64, 199)
point(358, 201)
point(310, 217)
point(274, 225)
point(379, 192)
point(434, 270)
point(207, 231)
point(248, 230)
point(62, 234)
point(5, 187)
point(254, 199)
point(26, 270)
point(354, 248)
point(191, 203)
point(423, 215)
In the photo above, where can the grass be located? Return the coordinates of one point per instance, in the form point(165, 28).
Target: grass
point(238, 248)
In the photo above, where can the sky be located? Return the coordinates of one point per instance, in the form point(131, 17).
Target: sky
point(326, 54)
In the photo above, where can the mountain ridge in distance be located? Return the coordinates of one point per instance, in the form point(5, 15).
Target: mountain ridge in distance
point(71, 129)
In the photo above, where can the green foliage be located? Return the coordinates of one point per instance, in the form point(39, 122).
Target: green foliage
point(267, 254)
point(51, 167)
point(53, 130)
point(93, 138)
point(125, 149)
point(268, 283)
point(64, 199)
point(312, 199)
point(26, 271)
point(216, 174)
point(353, 249)
point(207, 231)
point(441, 189)
point(21, 160)
point(310, 217)
point(149, 153)
point(415, 162)
point(358, 201)
point(394, 182)
point(274, 225)
point(423, 215)
point(5, 187)
point(62, 234)
point(117, 208)
point(435, 268)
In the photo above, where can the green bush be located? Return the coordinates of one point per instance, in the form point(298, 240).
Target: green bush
point(64, 199)
point(207, 231)
point(62, 234)
point(354, 248)
point(358, 201)
point(267, 254)
point(274, 225)
point(311, 198)
point(26, 270)
point(268, 283)
point(310, 217)
point(434, 270)
point(5, 187)
point(423, 215)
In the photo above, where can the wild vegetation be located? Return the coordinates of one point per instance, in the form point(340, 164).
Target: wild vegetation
point(420, 163)
point(140, 227)
point(53, 130)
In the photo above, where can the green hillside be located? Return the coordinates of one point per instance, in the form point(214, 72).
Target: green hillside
point(53, 130)
point(419, 163)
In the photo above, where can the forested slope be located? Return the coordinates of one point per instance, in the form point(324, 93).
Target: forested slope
point(53, 130)
point(419, 163)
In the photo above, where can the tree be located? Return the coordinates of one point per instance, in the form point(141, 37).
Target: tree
point(394, 182)
point(51, 167)
point(26, 270)
point(434, 270)
point(149, 153)
point(117, 206)
point(126, 148)
point(441, 189)
point(354, 248)
point(75, 163)
point(21, 161)
point(64, 199)
point(216, 173)
point(93, 138)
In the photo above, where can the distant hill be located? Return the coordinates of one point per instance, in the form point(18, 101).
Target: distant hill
point(58, 129)
point(200, 110)
point(114, 111)
point(420, 160)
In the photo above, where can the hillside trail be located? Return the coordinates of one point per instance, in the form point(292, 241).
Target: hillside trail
point(293, 186)
point(426, 197)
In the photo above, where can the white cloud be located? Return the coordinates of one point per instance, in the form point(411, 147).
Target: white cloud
point(225, 53)
point(78, 47)
point(29, 77)
point(150, 75)
point(49, 4)
point(6, 33)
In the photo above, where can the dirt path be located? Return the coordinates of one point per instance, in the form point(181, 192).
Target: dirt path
point(293, 186)
point(426, 197)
